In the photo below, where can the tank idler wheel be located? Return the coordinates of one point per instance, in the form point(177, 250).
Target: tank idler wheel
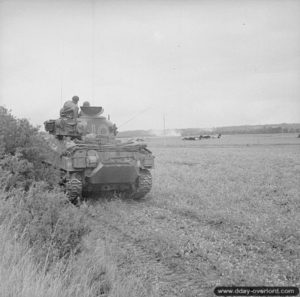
point(74, 190)
point(144, 184)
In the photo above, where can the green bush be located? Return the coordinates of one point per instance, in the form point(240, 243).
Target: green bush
point(15, 133)
point(22, 153)
point(38, 211)
point(15, 172)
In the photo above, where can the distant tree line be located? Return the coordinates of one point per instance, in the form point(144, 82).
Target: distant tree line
point(261, 129)
point(254, 129)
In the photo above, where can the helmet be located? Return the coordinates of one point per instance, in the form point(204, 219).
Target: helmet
point(86, 104)
point(75, 98)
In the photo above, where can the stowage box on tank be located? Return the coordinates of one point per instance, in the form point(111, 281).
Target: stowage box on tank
point(91, 160)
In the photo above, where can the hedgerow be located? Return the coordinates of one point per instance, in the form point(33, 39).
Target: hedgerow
point(22, 153)
point(38, 212)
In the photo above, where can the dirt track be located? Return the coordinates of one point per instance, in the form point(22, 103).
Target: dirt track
point(172, 271)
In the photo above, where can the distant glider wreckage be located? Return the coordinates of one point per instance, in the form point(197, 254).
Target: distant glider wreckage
point(201, 137)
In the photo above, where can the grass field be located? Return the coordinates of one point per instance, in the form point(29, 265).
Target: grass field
point(221, 212)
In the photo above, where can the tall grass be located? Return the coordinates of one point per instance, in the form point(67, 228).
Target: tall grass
point(92, 274)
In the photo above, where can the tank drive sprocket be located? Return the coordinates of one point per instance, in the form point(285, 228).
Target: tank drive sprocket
point(74, 189)
point(144, 184)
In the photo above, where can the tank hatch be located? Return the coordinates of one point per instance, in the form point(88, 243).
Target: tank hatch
point(91, 111)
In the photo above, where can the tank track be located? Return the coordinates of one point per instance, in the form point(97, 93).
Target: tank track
point(144, 184)
point(74, 189)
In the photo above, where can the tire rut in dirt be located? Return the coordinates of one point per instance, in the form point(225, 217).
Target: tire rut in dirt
point(217, 225)
point(209, 265)
point(173, 281)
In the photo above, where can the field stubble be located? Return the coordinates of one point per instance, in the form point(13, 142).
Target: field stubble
point(221, 212)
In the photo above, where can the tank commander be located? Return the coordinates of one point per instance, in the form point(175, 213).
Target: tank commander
point(70, 109)
point(85, 104)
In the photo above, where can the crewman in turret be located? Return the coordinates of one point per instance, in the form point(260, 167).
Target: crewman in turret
point(70, 109)
point(85, 104)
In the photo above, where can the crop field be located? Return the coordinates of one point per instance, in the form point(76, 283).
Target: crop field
point(221, 212)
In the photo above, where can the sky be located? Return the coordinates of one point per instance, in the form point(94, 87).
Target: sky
point(193, 63)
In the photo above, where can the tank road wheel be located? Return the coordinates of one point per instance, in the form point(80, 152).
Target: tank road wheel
point(74, 189)
point(144, 184)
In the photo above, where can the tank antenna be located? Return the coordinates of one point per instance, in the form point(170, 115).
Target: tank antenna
point(61, 67)
point(93, 49)
point(135, 116)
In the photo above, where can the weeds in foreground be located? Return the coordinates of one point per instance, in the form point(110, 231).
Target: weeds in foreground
point(87, 275)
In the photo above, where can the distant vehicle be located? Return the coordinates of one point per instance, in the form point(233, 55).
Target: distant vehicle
point(91, 160)
point(209, 136)
point(201, 137)
point(190, 138)
point(137, 139)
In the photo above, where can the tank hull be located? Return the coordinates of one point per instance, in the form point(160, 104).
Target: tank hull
point(89, 168)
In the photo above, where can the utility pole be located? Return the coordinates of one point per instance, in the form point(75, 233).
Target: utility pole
point(62, 54)
point(164, 119)
point(164, 125)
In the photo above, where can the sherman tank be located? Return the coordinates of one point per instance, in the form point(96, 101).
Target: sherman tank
point(92, 161)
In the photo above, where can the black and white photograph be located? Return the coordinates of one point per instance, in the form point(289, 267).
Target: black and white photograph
point(149, 148)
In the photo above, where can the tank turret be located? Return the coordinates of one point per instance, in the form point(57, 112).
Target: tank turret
point(96, 124)
point(89, 121)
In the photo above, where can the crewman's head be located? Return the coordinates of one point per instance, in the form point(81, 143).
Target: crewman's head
point(86, 104)
point(75, 99)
